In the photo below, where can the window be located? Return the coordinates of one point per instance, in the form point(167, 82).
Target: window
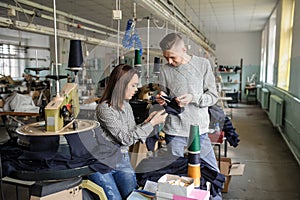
point(263, 55)
point(9, 66)
point(271, 48)
point(285, 47)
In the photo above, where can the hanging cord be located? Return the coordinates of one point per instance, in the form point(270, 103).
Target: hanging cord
point(19, 5)
point(131, 37)
point(29, 19)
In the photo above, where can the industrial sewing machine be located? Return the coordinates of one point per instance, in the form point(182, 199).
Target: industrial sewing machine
point(62, 109)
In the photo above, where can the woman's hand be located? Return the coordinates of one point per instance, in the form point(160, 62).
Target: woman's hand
point(150, 117)
point(159, 117)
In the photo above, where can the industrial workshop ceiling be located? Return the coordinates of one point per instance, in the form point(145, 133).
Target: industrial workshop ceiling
point(94, 18)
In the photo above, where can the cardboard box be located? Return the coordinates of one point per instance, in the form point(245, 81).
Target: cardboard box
point(138, 152)
point(230, 169)
point(170, 184)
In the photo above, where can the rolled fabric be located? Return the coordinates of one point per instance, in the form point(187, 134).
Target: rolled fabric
point(137, 60)
point(157, 64)
point(194, 139)
point(194, 158)
point(195, 173)
point(75, 54)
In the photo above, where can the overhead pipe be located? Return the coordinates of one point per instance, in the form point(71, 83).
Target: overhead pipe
point(186, 21)
point(162, 11)
point(165, 13)
point(151, 4)
point(183, 17)
point(29, 12)
point(19, 25)
point(45, 8)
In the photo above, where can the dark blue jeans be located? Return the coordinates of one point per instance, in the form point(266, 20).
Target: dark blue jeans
point(119, 183)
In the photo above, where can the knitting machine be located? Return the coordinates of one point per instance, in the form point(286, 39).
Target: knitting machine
point(63, 109)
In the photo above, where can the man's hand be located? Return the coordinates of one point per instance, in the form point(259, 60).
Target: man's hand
point(185, 99)
point(159, 98)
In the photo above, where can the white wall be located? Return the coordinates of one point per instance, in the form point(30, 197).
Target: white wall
point(231, 47)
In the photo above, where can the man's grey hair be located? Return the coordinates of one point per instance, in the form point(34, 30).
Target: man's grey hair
point(171, 40)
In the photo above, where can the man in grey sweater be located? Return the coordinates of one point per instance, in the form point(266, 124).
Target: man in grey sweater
point(191, 80)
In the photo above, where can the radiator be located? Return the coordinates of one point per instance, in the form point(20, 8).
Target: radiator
point(264, 98)
point(276, 110)
point(258, 87)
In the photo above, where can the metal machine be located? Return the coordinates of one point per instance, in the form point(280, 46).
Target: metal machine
point(63, 108)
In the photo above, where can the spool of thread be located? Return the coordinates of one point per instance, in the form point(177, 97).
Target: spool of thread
point(137, 60)
point(75, 54)
point(194, 158)
point(195, 173)
point(157, 64)
point(137, 57)
point(194, 139)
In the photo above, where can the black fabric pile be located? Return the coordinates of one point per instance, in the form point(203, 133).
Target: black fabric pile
point(216, 179)
point(231, 136)
point(155, 167)
point(87, 148)
point(140, 110)
point(172, 106)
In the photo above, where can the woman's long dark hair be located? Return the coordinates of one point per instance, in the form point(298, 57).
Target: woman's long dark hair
point(115, 89)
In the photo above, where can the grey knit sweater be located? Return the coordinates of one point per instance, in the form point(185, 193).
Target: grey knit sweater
point(119, 126)
point(196, 78)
